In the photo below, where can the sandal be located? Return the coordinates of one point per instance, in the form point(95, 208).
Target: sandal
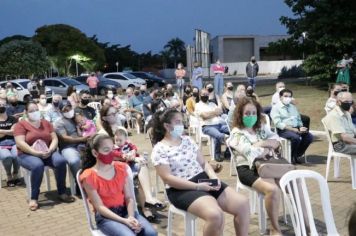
point(33, 206)
point(151, 218)
point(18, 182)
point(66, 198)
point(217, 168)
point(158, 206)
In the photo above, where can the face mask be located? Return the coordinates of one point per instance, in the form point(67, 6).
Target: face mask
point(177, 131)
point(345, 106)
point(43, 102)
point(69, 114)
point(344, 90)
point(195, 94)
point(106, 158)
point(85, 101)
point(230, 88)
point(287, 100)
point(336, 93)
point(280, 89)
point(2, 109)
point(55, 104)
point(187, 90)
point(34, 116)
point(110, 95)
point(249, 121)
point(253, 61)
point(204, 98)
point(210, 90)
point(143, 91)
point(249, 92)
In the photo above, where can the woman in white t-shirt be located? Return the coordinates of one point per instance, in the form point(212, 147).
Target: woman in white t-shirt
point(44, 107)
point(180, 164)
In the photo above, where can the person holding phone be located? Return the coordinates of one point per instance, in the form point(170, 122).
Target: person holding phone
point(288, 122)
point(180, 164)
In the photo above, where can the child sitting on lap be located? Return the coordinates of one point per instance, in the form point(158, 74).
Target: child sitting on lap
point(85, 127)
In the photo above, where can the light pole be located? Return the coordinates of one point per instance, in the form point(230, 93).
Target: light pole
point(304, 35)
point(117, 66)
point(76, 66)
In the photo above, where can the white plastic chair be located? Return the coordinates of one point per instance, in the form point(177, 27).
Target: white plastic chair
point(96, 106)
point(232, 158)
point(337, 156)
point(1, 169)
point(93, 230)
point(294, 182)
point(27, 178)
point(202, 136)
point(193, 126)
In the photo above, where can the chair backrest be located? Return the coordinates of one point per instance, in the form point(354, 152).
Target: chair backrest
point(328, 136)
point(95, 105)
point(298, 202)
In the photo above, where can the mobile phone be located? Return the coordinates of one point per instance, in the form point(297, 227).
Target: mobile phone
point(213, 182)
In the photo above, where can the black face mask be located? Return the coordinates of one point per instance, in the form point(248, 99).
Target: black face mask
point(336, 93)
point(143, 92)
point(187, 91)
point(195, 94)
point(204, 98)
point(55, 104)
point(230, 88)
point(210, 90)
point(253, 61)
point(2, 109)
point(249, 92)
point(346, 106)
point(343, 90)
point(85, 101)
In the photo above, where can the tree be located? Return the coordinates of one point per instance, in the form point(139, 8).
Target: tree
point(330, 27)
point(176, 48)
point(14, 37)
point(23, 58)
point(62, 42)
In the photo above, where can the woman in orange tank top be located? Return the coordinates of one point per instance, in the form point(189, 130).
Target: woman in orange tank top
point(109, 191)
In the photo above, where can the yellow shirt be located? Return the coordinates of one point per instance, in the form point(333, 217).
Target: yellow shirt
point(190, 105)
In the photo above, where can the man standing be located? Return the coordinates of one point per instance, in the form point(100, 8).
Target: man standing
point(289, 125)
point(219, 70)
point(92, 82)
point(83, 107)
point(252, 71)
point(340, 125)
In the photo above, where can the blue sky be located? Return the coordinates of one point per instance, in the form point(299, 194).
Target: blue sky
point(145, 24)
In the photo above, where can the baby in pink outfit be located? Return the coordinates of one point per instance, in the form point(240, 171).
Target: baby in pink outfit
point(85, 127)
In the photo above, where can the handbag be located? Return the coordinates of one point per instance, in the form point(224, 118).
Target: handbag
point(274, 166)
point(40, 146)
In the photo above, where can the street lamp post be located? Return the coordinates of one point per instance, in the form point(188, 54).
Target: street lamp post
point(117, 66)
point(76, 66)
point(304, 35)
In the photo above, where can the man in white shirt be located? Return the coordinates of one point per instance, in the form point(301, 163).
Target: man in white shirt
point(211, 122)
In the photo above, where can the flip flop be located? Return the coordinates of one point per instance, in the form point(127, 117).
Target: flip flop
point(33, 207)
point(158, 206)
point(218, 168)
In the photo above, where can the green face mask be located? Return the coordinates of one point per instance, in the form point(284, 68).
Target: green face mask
point(249, 121)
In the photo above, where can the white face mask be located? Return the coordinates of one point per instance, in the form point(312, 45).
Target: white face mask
point(110, 95)
point(286, 100)
point(69, 114)
point(280, 89)
point(43, 101)
point(177, 131)
point(34, 116)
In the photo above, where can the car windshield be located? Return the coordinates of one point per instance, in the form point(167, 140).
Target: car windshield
point(70, 82)
point(129, 76)
point(24, 84)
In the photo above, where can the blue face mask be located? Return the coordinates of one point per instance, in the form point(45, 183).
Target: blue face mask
point(177, 131)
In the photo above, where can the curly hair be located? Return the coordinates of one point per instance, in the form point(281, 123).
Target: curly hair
point(238, 113)
point(159, 118)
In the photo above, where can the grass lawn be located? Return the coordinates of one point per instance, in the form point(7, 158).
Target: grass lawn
point(310, 101)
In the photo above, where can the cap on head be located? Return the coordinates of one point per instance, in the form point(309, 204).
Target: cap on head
point(63, 104)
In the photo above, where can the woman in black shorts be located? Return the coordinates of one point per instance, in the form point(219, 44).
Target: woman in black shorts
point(180, 164)
point(252, 139)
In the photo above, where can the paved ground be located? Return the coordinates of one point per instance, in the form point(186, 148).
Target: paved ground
point(54, 218)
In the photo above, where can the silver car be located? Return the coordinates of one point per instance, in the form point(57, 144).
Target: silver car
point(60, 85)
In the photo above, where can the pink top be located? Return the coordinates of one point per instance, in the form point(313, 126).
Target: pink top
point(218, 68)
point(180, 73)
point(92, 81)
point(91, 130)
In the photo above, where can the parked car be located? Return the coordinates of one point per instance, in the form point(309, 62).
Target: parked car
point(60, 85)
point(125, 79)
point(103, 86)
point(151, 79)
point(21, 86)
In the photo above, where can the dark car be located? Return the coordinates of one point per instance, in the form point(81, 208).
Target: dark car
point(151, 79)
point(103, 86)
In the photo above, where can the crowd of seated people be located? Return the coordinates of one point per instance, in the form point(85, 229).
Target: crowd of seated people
point(72, 133)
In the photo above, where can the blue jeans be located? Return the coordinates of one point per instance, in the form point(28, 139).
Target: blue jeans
point(9, 159)
point(113, 228)
point(219, 84)
point(72, 156)
point(299, 142)
point(198, 83)
point(252, 82)
point(217, 132)
point(36, 166)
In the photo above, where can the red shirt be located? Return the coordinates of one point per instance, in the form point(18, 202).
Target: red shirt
point(123, 149)
point(32, 133)
point(110, 191)
point(218, 68)
point(92, 81)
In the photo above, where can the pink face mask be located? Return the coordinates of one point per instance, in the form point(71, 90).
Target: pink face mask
point(106, 158)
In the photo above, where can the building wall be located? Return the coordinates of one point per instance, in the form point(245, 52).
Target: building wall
point(237, 49)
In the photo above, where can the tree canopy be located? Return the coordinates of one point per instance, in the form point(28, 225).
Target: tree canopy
point(329, 27)
point(62, 42)
point(22, 58)
point(176, 50)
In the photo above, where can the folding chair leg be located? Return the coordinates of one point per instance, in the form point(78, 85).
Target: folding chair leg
point(169, 223)
point(48, 183)
point(328, 160)
point(336, 167)
point(353, 172)
point(262, 221)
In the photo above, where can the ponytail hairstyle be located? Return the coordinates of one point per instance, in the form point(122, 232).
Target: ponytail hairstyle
point(107, 127)
point(89, 160)
point(159, 118)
